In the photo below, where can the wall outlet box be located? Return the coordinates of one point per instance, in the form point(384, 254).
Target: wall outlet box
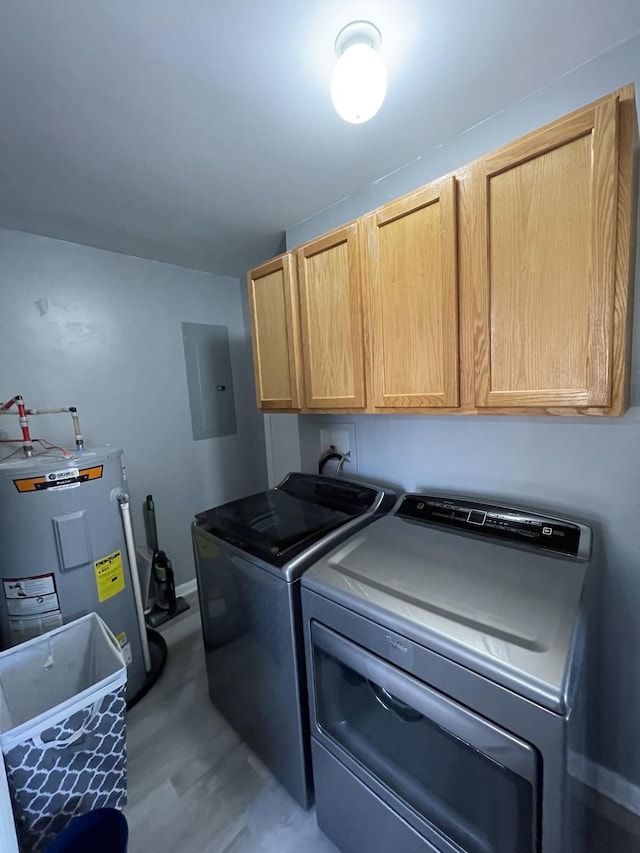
point(343, 437)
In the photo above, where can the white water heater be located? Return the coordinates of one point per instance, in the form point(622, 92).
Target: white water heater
point(63, 550)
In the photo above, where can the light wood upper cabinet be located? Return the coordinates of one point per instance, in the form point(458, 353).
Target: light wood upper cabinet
point(329, 280)
point(543, 264)
point(503, 288)
point(273, 303)
point(412, 299)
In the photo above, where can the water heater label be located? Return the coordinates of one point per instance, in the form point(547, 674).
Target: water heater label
point(67, 478)
point(33, 587)
point(29, 598)
point(109, 575)
point(32, 606)
point(25, 627)
point(125, 645)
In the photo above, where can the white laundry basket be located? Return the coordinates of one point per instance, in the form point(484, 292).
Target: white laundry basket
point(62, 727)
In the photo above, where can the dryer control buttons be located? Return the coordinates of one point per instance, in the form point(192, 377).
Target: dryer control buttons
point(477, 516)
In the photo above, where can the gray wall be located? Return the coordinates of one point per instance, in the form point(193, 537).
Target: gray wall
point(586, 467)
point(102, 331)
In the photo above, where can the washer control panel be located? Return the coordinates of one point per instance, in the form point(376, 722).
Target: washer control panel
point(520, 526)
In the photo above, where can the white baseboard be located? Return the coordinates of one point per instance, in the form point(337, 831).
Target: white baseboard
point(187, 588)
point(605, 782)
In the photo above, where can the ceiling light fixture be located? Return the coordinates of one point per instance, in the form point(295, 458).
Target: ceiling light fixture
point(359, 79)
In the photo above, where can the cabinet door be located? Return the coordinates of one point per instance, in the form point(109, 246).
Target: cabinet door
point(273, 303)
point(544, 265)
point(413, 299)
point(331, 320)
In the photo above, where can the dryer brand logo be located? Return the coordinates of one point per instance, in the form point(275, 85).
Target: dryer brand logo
point(396, 645)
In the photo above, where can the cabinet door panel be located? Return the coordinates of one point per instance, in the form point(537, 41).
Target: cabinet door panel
point(274, 320)
point(413, 299)
point(331, 313)
point(545, 265)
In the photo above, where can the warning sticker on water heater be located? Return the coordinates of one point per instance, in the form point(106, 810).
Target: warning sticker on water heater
point(30, 600)
point(125, 645)
point(23, 588)
point(109, 575)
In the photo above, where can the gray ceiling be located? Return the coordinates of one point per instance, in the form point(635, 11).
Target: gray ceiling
point(196, 131)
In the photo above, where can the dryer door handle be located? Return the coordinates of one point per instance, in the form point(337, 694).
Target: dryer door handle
point(395, 706)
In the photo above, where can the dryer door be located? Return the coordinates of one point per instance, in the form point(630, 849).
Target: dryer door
point(473, 784)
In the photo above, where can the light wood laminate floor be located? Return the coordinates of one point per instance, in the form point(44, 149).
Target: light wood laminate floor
point(194, 787)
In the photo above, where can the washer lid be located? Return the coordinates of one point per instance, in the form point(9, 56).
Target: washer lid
point(283, 522)
point(508, 613)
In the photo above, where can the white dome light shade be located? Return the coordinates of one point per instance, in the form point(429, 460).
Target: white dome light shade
point(358, 83)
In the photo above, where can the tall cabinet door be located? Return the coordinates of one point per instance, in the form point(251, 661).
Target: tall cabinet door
point(331, 320)
point(544, 265)
point(273, 302)
point(413, 299)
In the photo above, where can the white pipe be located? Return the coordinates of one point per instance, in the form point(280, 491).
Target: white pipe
point(70, 410)
point(48, 411)
point(76, 428)
point(123, 500)
point(37, 411)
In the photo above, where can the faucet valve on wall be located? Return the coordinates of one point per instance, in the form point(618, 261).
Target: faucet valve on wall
point(27, 442)
point(339, 438)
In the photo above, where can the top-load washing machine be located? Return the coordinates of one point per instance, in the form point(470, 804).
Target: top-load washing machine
point(443, 648)
point(250, 555)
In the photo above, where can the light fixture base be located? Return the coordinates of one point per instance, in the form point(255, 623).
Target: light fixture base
point(358, 32)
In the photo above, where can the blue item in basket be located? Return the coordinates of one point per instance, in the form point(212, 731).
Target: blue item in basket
point(98, 831)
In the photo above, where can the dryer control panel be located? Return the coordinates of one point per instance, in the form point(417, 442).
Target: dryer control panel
point(499, 522)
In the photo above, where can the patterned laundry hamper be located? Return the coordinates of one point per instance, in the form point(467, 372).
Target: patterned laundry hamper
point(62, 728)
